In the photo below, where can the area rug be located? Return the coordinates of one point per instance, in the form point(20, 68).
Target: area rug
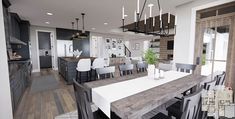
point(44, 83)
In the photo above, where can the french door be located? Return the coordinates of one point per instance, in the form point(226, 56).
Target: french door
point(215, 50)
point(215, 47)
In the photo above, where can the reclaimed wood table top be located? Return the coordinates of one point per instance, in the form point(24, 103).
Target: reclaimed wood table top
point(135, 106)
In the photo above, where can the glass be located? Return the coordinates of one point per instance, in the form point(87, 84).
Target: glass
point(215, 49)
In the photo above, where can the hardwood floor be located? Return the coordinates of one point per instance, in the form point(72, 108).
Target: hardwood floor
point(46, 104)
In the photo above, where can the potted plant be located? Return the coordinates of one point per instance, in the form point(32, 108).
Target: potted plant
point(151, 58)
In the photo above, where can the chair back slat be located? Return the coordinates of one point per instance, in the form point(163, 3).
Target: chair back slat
point(188, 68)
point(106, 70)
point(210, 85)
point(191, 104)
point(125, 68)
point(83, 105)
point(220, 79)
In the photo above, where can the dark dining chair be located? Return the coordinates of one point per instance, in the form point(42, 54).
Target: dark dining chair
point(210, 85)
point(220, 79)
point(185, 67)
point(126, 69)
point(83, 104)
point(187, 108)
point(141, 67)
point(103, 72)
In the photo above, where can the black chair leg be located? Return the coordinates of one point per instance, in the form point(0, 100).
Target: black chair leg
point(80, 79)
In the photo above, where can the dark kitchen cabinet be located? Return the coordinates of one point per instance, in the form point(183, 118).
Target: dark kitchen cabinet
point(15, 25)
point(24, 36)
point(6, 25)
point(45, 62)
point(19, 80)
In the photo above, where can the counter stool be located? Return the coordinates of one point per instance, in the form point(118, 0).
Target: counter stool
point(84, 65)
point(97, 63)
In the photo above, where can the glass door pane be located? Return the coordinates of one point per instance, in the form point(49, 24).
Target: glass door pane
point(208, 51)
point(215, 49)
point(221, 48)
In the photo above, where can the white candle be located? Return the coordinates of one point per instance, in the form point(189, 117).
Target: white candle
point(123, 12)
point(169, 17)
point(138, 6)
point(175, 19)
point(153, 21)
point(150, 10)
point(135, 19)
point(160, 24)
point(145, 19)
point(161, 15)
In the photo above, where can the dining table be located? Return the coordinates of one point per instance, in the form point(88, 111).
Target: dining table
point(132, 98)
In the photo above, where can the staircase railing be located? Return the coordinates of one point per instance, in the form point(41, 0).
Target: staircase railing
point(127, 51)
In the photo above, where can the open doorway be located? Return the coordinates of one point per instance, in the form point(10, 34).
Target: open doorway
point(45, 49)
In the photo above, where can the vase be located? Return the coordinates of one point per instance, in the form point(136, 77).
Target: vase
point(151, 71)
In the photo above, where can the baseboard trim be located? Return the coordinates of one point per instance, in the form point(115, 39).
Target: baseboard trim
point(36, 70)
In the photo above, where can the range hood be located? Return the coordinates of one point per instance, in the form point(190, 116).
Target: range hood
point(14, 40)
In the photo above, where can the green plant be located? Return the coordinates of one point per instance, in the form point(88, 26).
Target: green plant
point(150, 56)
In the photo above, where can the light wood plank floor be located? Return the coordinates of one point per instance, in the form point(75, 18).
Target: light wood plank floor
point(46, 104)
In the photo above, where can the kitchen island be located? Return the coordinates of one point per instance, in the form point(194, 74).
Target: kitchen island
point(67, 67)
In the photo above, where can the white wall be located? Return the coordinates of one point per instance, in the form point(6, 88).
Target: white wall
point(102, 51)
point(34, 46)
point(185, 30)
point(140, 52)
point(5, 99)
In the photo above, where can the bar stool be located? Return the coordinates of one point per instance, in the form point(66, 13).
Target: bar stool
point(98, 63)
point(84, 65)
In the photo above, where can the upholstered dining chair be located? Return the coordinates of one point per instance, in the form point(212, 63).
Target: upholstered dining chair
point(126, 69)
point(83, 65)
point(141, 66)
point(83, 104)
point(187, 108)
point(188, 68)
point(105, 71)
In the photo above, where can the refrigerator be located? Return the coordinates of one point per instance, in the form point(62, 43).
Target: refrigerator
point(64, 48)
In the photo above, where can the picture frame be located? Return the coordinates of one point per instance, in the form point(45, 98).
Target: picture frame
point(137, 46)
point(114, 44)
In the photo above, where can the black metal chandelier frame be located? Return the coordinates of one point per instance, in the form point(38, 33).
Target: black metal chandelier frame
point(162, 30)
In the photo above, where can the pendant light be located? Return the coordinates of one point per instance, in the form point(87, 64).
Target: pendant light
point(77, 34)
point(83, 35)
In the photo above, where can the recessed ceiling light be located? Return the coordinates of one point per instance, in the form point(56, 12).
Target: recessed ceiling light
point(49, 13)
point(47, 22)
point(93, 28)
point(105, 23)
point(125, 15)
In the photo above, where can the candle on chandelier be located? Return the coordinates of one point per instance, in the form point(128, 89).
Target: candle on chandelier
point(169, 17)
point(138, 6)
point(145, 19)
point(123, 12)
point(161, 15)
point(135, 19)
point(150, 10)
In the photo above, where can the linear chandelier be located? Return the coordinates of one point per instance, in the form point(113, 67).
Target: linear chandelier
point(163, 27)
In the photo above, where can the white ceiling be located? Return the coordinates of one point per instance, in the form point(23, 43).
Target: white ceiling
point(97, 12)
